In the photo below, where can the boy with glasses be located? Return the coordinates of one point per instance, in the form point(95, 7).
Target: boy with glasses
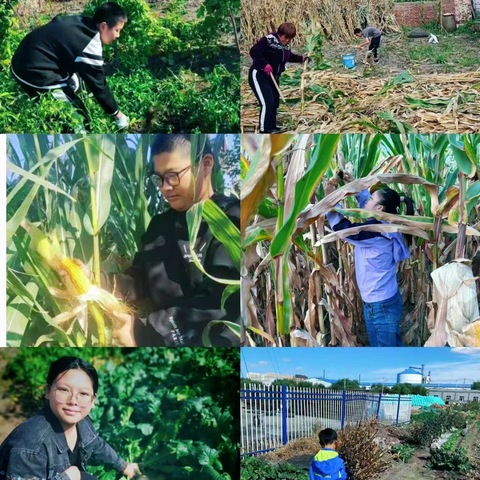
point(182, 299)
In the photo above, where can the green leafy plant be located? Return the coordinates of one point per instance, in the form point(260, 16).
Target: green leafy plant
point(455, 461)
point(255, 468)
point(403, 451)
point(425, 433)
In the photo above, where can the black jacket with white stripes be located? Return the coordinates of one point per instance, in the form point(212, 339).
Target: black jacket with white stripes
point(48, 56)
point(270, 51)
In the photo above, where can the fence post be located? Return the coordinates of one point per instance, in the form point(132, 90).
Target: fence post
point(379, 402)
point(344, 402)
point(284, 415)
point(398, 410)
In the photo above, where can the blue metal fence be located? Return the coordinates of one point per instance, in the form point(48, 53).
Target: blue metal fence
point(272, 416)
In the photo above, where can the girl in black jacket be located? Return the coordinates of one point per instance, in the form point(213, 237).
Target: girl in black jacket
point(270, 54)
point(52, 57)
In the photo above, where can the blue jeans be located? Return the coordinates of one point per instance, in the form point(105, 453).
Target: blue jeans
point(382, 320)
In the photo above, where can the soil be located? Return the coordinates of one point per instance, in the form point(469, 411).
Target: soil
point(300, 453)
point(398, 53)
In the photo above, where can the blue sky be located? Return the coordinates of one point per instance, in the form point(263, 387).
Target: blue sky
point(447, 365)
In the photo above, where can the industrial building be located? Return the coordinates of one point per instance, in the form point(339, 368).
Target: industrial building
point(455, 395)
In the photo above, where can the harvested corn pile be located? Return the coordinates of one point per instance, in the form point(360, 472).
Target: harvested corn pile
point(346, 102)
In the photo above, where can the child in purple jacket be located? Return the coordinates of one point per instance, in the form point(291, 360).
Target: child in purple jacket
point(270, 54)
point(327, 463)
point(376, 258)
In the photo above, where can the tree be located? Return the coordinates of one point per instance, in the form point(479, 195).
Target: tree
point(346, 384)
point(476, 385)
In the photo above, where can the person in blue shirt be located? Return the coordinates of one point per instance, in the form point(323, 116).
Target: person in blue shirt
point(376, 257)
point(327, 463)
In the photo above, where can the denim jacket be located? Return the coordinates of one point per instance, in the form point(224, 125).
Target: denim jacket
point(37, 450)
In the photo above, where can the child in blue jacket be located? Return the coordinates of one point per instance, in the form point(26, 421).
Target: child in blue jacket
point(327, 463)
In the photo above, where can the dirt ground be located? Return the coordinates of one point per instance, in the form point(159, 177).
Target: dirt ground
point(300, 453)
point(457, 53)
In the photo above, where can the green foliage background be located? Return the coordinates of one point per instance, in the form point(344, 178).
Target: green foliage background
point(174, 411)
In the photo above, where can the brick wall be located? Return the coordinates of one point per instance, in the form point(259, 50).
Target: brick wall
point(463, 11)
point(416, 14)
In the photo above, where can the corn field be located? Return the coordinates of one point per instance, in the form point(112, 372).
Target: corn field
point(298, 277)
point(77, 207)
point(333, 19)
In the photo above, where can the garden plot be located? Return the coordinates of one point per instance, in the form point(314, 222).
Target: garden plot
point(174, 68)
point(402, 453)
point(416, 87)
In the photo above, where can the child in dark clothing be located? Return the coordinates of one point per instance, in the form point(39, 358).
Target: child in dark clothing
point(327, 463)
point(372, 38)
point(270, 54)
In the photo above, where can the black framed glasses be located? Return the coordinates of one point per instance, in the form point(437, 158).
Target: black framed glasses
point(171, 178)
point(64, 394)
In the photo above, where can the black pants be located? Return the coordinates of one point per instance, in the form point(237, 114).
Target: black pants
point(66, 94)
point(268, 97)
point(374, 45)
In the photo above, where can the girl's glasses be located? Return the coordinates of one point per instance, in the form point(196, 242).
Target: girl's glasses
point(63, 394)
point(171, 178)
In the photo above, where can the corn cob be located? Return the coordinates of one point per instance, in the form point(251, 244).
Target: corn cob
point(77, 283)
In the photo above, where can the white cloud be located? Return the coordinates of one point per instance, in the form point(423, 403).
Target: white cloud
point(466, 351)
point(299, 369)
point(263, 362)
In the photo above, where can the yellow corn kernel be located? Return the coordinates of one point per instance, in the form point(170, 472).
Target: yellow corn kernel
point(78, 279)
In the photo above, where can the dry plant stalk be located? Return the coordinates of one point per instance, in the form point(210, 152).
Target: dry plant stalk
point(359, 447)
point(362, 100)
point(336, 19)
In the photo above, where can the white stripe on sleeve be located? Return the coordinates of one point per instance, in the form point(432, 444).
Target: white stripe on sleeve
point(89, 61)
point(94, 47)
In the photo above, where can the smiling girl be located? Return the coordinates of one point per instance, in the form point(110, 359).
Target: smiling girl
point(59, 442)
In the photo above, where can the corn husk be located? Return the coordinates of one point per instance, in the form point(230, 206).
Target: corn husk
point(455, 296)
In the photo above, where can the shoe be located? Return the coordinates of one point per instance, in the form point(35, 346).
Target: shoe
point(273, 130)
point(376, 60)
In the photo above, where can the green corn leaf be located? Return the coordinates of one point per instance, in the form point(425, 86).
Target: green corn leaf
point(304, 188)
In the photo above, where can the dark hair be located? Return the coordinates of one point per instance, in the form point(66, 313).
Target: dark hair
point(183, 142)
point(327, 436)
point(390, 200)
point(111, 13)
point(357, 30)
point(287, 29)
point(64, 364)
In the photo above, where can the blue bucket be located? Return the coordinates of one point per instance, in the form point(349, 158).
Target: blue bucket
point(349, 61)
